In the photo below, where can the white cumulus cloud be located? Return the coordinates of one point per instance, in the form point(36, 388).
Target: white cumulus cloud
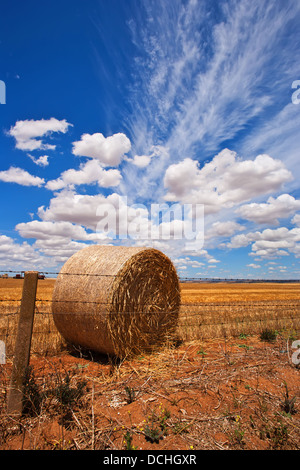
point(223, 229)
point(225, 181)
point(27, 133)
point(141, 161)
point(89, 173)
point(40, 161)
point(42, 230)
point(296, 220)
point(270, 243)
point(268, 213)
point(20, 176)
point(108, 150)
point(21, 255)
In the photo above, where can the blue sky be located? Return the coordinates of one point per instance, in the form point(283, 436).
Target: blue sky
point(113, 107)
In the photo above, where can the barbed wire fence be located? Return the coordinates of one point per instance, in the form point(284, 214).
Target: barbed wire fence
point(191, 313)
point(196, 319)
point(181, 278)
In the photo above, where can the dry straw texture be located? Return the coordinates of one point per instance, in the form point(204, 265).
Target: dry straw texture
point(117, 300)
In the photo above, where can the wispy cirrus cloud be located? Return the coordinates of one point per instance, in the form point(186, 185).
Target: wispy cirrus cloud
point(241, 80)
point(278, 135)
point(205, 73)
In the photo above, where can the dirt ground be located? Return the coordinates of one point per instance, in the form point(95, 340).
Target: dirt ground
point(238, 393)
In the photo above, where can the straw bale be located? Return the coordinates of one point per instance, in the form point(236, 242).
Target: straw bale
point(117, 300)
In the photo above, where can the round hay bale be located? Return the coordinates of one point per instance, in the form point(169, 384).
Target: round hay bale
point(117, 300)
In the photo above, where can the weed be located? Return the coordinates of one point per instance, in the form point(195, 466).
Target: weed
point(153, 433)
point(243, 336)
point(288, 404)
point(66, 394)
point(268, 335)
point(245, 346)
point(61, 444)
point(157, 427)
point(130, 394)
point(278, 435)
point(181, 428)
point(263, 404)
point(292, 335)
point(239, 436)
point(288, 334)
point(236, 401)
point(32, 395)
point(163, 419)
point(128, 441)
point(201, 352)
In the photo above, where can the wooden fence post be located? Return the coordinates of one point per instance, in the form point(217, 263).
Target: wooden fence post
point(23, 342)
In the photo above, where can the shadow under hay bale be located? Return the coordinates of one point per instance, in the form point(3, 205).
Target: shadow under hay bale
point(117, 300)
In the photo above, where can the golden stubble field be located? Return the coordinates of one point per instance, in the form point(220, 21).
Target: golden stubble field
point(11, 289)
point(221, 386)
point(228, 309)
point(237, 292)
point(207, 310)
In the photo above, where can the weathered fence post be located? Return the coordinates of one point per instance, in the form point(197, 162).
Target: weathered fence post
point(23, 342)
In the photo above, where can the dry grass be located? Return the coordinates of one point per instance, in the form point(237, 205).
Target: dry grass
point(46, 339)
point(239, 292)
point(229, 309)
point(206, 395)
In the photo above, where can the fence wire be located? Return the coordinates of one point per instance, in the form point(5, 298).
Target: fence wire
point(196, 319)
point(181, 279)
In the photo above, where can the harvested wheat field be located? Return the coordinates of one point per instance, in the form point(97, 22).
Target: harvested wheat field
point(229, 379)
